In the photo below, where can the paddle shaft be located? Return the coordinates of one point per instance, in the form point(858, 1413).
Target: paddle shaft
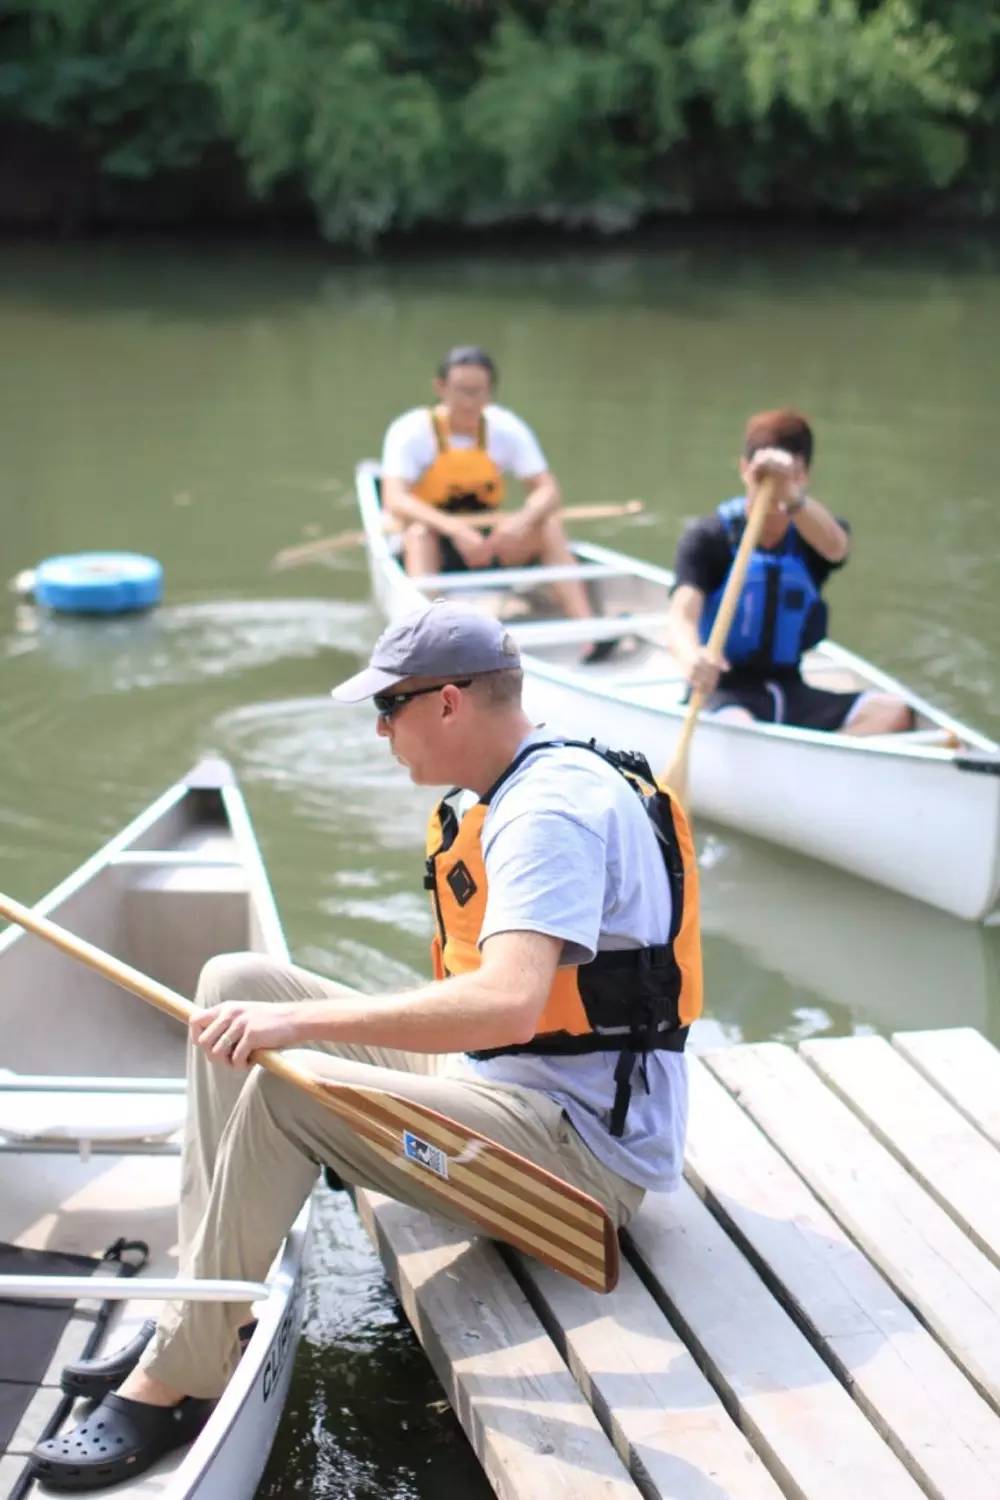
point(288, 557)
point(140, 984)
point(506, 1195)
point(675, 775)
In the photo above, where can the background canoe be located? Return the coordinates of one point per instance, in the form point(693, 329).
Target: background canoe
point(918, 812)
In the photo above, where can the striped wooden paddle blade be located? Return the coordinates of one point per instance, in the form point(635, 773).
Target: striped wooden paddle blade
point(475, 1178)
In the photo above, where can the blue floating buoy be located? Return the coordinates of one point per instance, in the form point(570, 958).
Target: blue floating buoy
point(99, 583)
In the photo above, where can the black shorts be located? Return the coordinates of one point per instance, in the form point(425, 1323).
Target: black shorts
point(786, 700)
point(452, 560)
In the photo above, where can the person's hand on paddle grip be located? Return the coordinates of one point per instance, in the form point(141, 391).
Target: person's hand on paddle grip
point(786, 473)
point(231, 1032)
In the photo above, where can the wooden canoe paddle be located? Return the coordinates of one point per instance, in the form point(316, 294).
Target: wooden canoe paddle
point(323, 546)
point(472, 1176)
point(676, 774)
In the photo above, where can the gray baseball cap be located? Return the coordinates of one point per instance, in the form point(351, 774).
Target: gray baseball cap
point(442, 640)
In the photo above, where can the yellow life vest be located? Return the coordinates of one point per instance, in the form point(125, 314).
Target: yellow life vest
point(630, 1001)
point(460, 480)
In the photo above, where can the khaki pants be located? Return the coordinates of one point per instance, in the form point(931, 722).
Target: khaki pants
point(254, 1143)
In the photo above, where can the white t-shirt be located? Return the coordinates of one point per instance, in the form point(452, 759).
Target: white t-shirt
point(410, 445)
point(565, 810)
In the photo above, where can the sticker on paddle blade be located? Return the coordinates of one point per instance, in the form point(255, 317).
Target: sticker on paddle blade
point(425, 1154)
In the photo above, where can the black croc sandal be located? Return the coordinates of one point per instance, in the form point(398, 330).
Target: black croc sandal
point(94, 1378)
point(119, 1439)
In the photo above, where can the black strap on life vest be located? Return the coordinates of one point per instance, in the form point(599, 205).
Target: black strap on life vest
point(651, 975)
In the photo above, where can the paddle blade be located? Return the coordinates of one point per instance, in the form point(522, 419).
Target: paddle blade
point(474, 1178)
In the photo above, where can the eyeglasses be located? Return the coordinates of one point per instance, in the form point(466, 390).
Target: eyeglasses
point(387, 704)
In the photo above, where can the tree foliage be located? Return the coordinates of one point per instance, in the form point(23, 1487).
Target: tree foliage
point(387, 114)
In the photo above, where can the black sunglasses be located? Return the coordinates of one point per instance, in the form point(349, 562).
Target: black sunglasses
point(386, 704)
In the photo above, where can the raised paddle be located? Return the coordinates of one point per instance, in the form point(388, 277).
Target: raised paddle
point(505, 1195)
point(676, 774)
point(304, 552)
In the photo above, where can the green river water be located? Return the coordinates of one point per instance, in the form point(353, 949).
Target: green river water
point(207, 405)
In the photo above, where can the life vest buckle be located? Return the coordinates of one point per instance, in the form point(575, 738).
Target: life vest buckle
point(633, 763)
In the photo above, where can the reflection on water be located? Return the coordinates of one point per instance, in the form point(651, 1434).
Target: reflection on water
point(187, 643)
point(99, 715)
point(208, 406)
point(836, 955)
point(352, 826)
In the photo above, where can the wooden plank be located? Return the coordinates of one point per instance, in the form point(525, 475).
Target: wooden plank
point(964, 1066)
point(916, 1397)
point(948, 1156)
point(952, 1286)
point(532, 1430)
point(667, 1424)
point(803, 1424)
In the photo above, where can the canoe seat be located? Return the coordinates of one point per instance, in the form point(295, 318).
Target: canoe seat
point(84, 1115)
point(512, 578)
point(534, 634)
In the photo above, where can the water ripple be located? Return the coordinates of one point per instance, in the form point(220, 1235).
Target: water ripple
point(189, 644)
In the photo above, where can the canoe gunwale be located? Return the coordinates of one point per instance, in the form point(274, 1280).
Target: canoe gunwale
point(278, 1326)
point(787, 733)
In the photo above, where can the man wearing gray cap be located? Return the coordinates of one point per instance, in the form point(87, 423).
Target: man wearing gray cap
point(568, 969)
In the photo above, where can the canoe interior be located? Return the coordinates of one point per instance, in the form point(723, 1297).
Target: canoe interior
point(164, 905)
point(642, 669)
point(179, 886)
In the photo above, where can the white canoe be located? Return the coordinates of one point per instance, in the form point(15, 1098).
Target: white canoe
point(916, 812)
point(92, 1098)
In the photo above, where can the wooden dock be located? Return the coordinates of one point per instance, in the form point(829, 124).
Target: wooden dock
point(815, 1314)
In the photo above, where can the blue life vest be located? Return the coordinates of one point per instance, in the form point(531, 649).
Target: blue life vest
point(780, 613)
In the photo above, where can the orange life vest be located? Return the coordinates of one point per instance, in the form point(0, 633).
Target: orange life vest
point(460, 480)
point(629, 1001)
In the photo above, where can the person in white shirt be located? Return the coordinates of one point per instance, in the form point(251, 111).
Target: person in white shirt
point(568, 975)
point(445, 463)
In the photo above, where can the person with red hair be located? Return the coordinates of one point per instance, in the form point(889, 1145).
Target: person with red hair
point(781, 611)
